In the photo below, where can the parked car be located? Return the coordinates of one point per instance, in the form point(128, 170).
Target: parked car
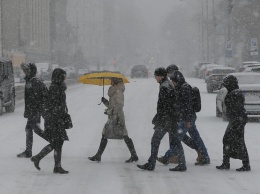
point(7, 89)
point(249, 83)
point(216, 76)
point(250, 68)
point(197, 69)
point(204, 68)
point(139, 71)
point(245, 64)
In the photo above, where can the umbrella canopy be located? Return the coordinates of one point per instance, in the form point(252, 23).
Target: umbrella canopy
point(101, 78)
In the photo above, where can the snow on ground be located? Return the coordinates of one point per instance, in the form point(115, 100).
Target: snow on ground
point(112, 175)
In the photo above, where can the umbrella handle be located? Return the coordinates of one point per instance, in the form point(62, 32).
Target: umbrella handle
point(103, 90)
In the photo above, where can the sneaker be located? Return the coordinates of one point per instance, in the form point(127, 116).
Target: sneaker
point(179, 168)
point(146, 167)
point(203, 162)
point(60, 170)
point(163, 160)
point(244, 168)
point(132, 159)
point(25, 154)
point(223, 167)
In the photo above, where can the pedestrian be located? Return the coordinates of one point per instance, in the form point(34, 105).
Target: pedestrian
point(34, 97)
point(187, 117)
point(234, 141)
point(115, 127)
point(55, 131)
point(165, 119)
point(171, 155)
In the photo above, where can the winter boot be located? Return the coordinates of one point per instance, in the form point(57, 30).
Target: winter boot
point(179, 168)
point(25, 154)
point(199, 158)
point(130, 145)
point(174, 159)
point(163, 160)
point(146, 166)
point(36, 159)
point(203, 162)
point(60, 170)
point(224, 166)
point(102, 146)
point(245, 167)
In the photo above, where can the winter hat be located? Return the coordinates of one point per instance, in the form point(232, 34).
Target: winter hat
point(172, 68)
point(160, 72)
point(30, 68)
point(117, 80)
point(177, 77)
point(230, 82)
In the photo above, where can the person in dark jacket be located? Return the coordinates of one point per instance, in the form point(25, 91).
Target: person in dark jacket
point(115, 127)
point(35, 98)
point(54, 131)
point(170, 156)
point(187, 118)
point(234, 141)
point(165, 119)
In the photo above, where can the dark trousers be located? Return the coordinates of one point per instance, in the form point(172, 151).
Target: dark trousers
point(156, 141)
point(33, 124)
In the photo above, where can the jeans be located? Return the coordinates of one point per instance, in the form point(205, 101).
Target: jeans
point(194, 134)
point(155, 144)
point(32, 125)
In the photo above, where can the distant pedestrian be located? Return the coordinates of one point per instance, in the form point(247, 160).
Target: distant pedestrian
point(55, 132)
point(234, 141)
point(35, 93)
point(115, 127)
point(187, 121)
point(165, 120)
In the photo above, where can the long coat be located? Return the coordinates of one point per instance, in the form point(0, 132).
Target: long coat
point(233, 140)
point(115, 112)
point(57, 107)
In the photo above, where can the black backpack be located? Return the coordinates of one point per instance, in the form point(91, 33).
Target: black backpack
point(196, 99)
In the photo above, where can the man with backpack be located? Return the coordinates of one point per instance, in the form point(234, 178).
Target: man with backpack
point(35, 96)
point(187, 116)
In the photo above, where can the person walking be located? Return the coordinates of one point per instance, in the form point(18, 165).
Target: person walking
point(234, 141)
point(55, 132)
point(170, 156)
point(187, 118)
point(35, 93)
point(165, 119)
point(115, 127)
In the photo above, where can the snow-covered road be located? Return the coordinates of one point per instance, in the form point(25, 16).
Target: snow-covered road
point(113, 175)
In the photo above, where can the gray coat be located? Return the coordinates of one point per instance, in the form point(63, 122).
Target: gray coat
point(116, 117)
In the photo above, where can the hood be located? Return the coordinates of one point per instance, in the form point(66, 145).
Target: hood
point(31, 68)
point(177, 77)
point(58, 76)
point(230, 82)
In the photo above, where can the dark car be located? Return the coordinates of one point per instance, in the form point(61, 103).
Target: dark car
point(139, 71)
point(7, 89)
point(197, 69)
point(215, 77)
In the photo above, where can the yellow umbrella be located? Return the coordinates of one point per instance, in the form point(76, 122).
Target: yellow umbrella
point(101, 78)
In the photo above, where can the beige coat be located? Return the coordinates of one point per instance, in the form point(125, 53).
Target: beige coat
point(116, 118)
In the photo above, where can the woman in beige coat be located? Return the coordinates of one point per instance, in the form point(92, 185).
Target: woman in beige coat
point(115, 127)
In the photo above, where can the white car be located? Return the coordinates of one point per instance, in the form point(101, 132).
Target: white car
point(249, 84)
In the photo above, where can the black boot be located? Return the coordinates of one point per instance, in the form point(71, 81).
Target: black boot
point(102, 146)
point(224, 166)
point(179, 168)
point(146, 166)
point(131, 148)
point(25, 154)
point(36, 159)
point(60, 170)
point(57, 159)
point(245, 167)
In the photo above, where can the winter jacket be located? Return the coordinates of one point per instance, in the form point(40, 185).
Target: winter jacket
point(115, 110)
point(34, 97)
point(56, 108)
point(165, 118)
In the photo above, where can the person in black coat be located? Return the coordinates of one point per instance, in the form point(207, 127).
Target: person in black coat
point(35, 93)
point(234, 141)
point(55, 132)
point(165, 119)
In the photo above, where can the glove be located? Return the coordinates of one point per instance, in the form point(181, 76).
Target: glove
point(104, 100)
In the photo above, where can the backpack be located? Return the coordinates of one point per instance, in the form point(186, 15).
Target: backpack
point(196, 99)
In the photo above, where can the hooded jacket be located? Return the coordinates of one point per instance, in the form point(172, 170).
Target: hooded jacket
point(35, 94)
point(183, 97)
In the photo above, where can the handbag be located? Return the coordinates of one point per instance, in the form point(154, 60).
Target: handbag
point(66, 120)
